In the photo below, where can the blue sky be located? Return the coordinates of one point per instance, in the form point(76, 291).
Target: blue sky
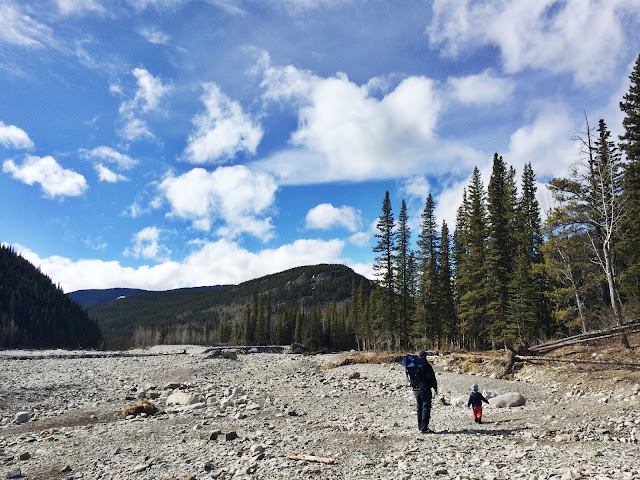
point(161, 144)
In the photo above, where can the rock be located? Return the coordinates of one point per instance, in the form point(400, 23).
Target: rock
point(15, 473)
point(66, 469)
point(21, 417)
point(182, 398)
point(24, 456)
point(230, 436)
point(511, 399)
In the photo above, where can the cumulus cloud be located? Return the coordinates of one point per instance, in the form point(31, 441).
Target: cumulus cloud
point(54, 180)
point(146, 245)
point(326, 216)
point(106, 175)
point(222, 130)
point(585, 39)
point(14, 137)
point(215, 263)
point(148, 96)
point(345, 132)
point(545, 142)
point(234, 196)
point(482, 89)
point(19, 28)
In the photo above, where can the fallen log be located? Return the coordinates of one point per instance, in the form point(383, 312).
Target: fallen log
point(632, 327)
point(569, 360)
point(312, 458)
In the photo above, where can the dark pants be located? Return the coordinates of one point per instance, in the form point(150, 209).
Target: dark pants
point(423, 404)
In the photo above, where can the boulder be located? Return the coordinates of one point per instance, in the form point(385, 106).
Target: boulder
point(182, 398)
point(511, 399)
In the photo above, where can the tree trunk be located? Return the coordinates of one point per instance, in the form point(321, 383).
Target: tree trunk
point(613, 293)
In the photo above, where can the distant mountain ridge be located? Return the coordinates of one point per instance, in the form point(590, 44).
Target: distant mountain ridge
point(217, 311)
point(93, 297)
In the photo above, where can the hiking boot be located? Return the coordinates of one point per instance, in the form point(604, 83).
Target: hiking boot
point(426, 430)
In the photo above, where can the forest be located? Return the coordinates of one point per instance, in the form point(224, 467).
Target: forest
point(502, 275)
point(35, 313)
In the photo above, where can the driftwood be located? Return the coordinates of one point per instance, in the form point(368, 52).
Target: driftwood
point(569, 360)
point(312, 458)
point(547, 347)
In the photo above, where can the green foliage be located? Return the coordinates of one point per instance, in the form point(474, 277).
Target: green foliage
point(34, 313)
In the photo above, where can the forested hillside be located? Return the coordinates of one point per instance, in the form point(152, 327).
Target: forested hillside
point(304, 304)
point(34, 313)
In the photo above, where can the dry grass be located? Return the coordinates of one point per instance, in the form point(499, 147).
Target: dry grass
point(143, 406)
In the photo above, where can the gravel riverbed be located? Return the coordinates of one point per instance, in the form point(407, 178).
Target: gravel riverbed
point(284, 416)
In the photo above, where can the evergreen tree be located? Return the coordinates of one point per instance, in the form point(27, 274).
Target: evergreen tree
point(500, 245)
point(471, 269)
point(404, 270)
point(428, 244)
point(630, 145)
point(446, 294)
point(384, 268)
point(593, 199)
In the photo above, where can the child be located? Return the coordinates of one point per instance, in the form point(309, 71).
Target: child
point(475, 402)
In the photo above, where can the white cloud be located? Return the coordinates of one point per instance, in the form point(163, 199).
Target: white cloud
point(222, 131)
point(417, 186)
point(346, 133)
point(54, 180)
point(69, 7)
point(14, 137)
point(326, 216)
point(155, 36)
point(585, 39)
point(360, 239)
point(235, 196)
point(214, 263)
point(110, 155)
point(146, 245)
point(18, 28)
point(148, 96)
point(482, 89)
point(545, 142)
point(106, 175)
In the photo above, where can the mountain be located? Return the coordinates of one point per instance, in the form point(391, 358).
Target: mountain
point(90, 299)
point(224, 313)
point(34, 313)
point(94, 297)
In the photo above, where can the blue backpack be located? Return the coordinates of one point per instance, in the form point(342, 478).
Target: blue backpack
point(412, 365)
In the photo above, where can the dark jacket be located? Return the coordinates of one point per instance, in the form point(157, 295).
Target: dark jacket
point(476, 399)
point(424, 379)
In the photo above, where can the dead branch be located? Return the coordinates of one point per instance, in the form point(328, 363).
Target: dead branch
point(312, 458)
point(584, 337)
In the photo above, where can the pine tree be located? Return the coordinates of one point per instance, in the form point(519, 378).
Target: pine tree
point(446, 294)
point(384, 268)
point(404, 270)
point(499, 246)
point(428, 244)
point(472, 275)
point(630, 145)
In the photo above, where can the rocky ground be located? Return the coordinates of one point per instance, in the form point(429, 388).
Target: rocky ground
point(272, 416)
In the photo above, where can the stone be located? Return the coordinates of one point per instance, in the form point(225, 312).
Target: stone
point(182, 398)
point(506, 400)
point(15, 473)
point(21, 417)
point(24, 456)
point(230, 436)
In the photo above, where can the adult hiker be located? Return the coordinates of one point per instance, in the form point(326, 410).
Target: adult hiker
point(422, 379)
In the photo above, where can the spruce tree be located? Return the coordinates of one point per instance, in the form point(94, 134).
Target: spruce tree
point(383, 267)
point(472, 274)
point(404, 271)
point(428, 243)
point(630, 145)
point(499, 246)
point(446, 290)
